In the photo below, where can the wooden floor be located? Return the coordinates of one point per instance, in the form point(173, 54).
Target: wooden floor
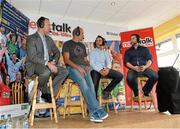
point(123, 119)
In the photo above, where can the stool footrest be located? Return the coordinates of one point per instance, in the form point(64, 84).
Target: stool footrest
point(43, 105)
point(107, 101)
point(74, 103)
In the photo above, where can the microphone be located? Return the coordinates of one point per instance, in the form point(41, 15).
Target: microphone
point(51, 56)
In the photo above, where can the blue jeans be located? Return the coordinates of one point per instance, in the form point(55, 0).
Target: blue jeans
point(87, 88)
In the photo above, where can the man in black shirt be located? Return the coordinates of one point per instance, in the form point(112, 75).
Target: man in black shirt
point(75, 58)
point(138, 59)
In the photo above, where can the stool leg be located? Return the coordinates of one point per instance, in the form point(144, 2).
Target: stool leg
point(132, 102)
point(33, 110)
point(51, 114)
point(53, 101)
point(65, 103)
point(140, 103)
point(153, 101)
point(69, 97)
point(107, 106)
point(145, 102)
point(67, 94)
point(82, 104)
point(65, 106)
point(66, 99)
point(68, 111)
point(85, 107)
point(100, 101)
point(139, 93)
point(32, 113)
point(114, 104)
point(33, 102)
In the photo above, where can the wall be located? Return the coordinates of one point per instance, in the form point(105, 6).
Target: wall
point(167, 29)
point(164, 32)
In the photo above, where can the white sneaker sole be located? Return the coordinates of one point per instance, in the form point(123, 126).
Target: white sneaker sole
point(106, 116)
point(96, 121)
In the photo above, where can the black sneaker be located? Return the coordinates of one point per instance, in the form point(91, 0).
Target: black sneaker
point(47, 97)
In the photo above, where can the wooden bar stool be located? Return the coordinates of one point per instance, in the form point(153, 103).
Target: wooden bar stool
point(36, 106)
point(105, 83)
point(17, 93)
point(68, 103)
point(140, 98)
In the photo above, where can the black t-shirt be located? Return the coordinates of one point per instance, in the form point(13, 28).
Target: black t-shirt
point(76, 50)
point(137, 57)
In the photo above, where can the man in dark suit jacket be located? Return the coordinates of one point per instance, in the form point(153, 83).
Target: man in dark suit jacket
point(42, 58)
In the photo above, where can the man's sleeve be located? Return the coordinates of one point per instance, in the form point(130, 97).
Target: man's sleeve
point(55, 50)
point(148, 55)
point(108, 60)
point(65, 47)
point(85, 53)
point(92, 61)
point(32, 52)
point(126, 58)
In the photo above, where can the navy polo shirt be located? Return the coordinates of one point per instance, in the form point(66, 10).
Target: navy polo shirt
point(138, 56)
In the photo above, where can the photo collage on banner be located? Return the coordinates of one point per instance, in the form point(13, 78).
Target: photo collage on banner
point(147, 40)
point(13, 34)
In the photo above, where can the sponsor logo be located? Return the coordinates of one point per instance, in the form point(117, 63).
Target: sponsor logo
point(147, 42)
point(112, 33)
point(63, 30)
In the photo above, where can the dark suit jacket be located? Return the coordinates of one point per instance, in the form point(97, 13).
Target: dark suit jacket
point(35, 52)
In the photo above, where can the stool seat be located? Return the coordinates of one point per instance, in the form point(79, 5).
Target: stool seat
point(36, 106)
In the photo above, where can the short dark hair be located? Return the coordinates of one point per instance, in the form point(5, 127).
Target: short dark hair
point(40, 22)
point(103, 41)
point(137, 37)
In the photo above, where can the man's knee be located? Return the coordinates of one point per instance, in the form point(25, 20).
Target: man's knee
point(46, 73)
point(154, 77)
point(130, 77)
point(63, 71)
point(120, 76)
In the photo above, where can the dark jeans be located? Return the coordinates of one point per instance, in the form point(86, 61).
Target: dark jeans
point(114, 75)
point(132, 80)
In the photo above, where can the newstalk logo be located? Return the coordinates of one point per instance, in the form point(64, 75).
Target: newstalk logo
point(56, 29)
point(147, 42)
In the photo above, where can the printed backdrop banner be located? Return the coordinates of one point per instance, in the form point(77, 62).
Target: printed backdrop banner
point(61, 29)
point(147, 40)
